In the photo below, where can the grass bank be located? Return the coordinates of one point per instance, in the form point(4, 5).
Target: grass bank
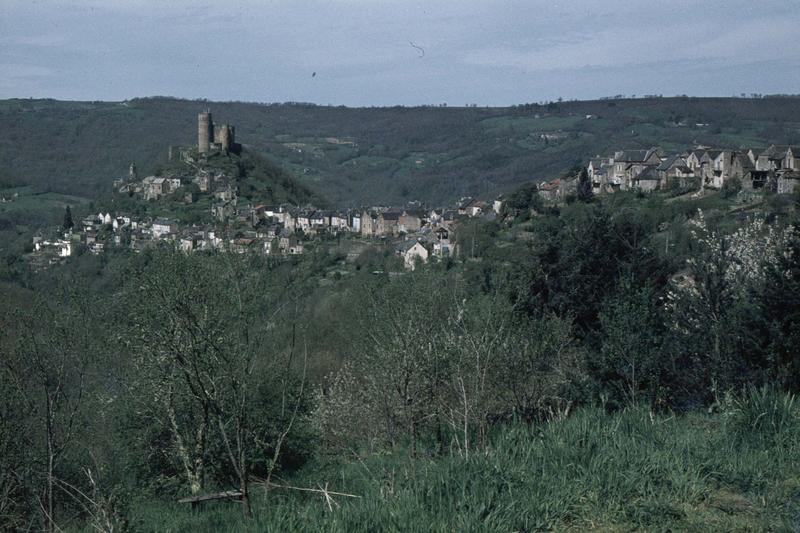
point(734, 471)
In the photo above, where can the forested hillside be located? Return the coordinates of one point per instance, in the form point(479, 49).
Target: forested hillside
point(376, 155)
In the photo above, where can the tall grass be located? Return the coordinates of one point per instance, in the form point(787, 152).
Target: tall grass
point(762, 415)
point(630, 470)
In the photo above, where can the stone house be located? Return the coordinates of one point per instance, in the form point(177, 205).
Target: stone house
point(319, 220)
point(172, 185)
point(717, 168)
point(558, 189)
point(203, 182)
point(409, 221)
point(693, 160)
point(225, 194)
point(497, 205)
point(354, 222)
point(630, 163)
point(367, 225)
point(153, 187)
point(777, 158)
point(647, 180)
point(442, 244)
point(412, 251)
point(675, 169)
point(339, 221)
point(163, 227)
point(741, 164)
point(477, 208)
point(788, 182)
point(303, 220)
point(600, 171)
point(388, 223)
point(464, 205)
point(223, 211)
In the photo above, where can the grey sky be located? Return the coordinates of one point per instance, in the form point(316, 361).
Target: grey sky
point(475, 51)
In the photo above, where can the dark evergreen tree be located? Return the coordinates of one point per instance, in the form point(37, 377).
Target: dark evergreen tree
point(585, 193)
point(68, 224)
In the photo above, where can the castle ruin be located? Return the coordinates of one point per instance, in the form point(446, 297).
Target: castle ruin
point(212, 136)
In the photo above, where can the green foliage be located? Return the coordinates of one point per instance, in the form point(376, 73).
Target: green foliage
point(68, 224)
point(210, 358)
point(628, 471)
point(395, 152)
point(504, 391)
point(631, 333)
point(762, 414)
point(731, 188)
point(585, 193)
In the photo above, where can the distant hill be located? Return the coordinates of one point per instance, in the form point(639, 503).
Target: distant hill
point(358, 156)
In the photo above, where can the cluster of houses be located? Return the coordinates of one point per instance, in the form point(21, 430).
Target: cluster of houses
point(154, 187)
point(281, 230)
point(776, 168)
point(648, 170)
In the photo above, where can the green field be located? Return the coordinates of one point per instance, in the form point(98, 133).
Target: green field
point(38, 209)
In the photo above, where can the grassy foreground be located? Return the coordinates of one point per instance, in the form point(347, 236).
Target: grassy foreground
point(738, 471)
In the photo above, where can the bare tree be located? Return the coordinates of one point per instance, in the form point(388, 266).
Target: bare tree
point(206, 327)
point(48, 371)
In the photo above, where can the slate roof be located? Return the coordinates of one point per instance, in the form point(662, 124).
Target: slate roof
point(776, 151)
point(675, 160)
point(648, 173)
point(405, 246)
point(744, 160)
point(634, 155)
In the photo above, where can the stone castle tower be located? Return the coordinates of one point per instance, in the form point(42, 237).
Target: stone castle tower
point(205, 132)
point(210, 135)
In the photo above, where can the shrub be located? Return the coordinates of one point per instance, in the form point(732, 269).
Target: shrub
point(731, 188)
point(761, 415)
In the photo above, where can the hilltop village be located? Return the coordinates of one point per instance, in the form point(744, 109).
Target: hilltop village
point(776, 168)
point(416, 232)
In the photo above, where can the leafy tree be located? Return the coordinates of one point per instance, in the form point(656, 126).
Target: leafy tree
point(540, 369)
point(731, 188)
point(781, 309)
point(631, 337)
point(714, 309)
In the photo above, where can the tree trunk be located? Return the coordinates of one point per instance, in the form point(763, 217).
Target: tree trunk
point(50, 464)
point(243, 486)
point(50, 522)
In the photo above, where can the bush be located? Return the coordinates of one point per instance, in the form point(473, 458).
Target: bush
point(761, 415)
point(731, 188)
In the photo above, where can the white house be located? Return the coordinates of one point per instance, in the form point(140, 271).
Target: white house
point(411, 251)
point(162, 227)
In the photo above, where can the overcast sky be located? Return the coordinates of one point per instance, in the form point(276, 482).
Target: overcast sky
point(381, 52)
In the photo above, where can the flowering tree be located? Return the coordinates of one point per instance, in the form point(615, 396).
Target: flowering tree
point(712, 305)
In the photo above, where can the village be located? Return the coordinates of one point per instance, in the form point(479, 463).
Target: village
point(416, 232)
point(703, 168)
point(280, 230)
